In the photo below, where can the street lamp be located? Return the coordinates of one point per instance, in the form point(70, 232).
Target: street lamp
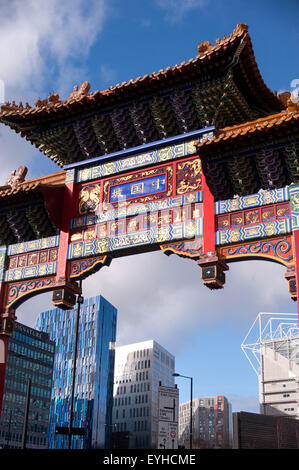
point(80, 301)
point(191, 399)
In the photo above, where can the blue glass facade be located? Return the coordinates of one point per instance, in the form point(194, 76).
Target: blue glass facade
point(93, 396)
point(30, 356)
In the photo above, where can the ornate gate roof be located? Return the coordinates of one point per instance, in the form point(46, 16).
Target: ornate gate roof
point(31, 209)
point(222, 87)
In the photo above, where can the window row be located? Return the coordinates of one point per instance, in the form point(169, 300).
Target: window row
point(33, 341)
point(30, 353)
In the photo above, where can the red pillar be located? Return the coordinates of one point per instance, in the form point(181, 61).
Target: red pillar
point(68, 213)
point(208, 219)
point(296, 255)
point(7, 318)
point(3, 359)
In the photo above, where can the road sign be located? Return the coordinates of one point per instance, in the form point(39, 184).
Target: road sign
point(168, 417)
point(168, 404)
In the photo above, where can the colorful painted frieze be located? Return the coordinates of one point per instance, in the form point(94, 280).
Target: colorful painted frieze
point(275, 249)
point(33, 245)
point(3, 254)
point(260, 214)
point(259, 199)
point(134, 162)
point(18, 290)
point(154, 235)
point(294, 201)
point(262, 230)
point(30, 272)
point(121, 212)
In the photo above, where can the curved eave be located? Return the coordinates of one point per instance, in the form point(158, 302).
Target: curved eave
point(46, 189)
point(219, 57)
point(278, 127)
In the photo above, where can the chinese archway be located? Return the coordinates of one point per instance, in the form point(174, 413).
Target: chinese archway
point(200, 160)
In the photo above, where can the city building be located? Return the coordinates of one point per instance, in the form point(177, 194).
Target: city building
point(94, 372)
point(259, 431)
point(272, 347)
point(211, 423)
point(30, 362)
point(138, 369)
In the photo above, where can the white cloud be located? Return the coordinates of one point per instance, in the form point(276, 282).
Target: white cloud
point(40, 39)
point(177, 9)
point(43, 47)
point(163, 298)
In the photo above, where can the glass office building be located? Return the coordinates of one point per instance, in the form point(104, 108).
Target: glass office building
point(30, 356)
point(93, 393)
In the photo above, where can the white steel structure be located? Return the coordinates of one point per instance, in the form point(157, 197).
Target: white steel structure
point(272, 348)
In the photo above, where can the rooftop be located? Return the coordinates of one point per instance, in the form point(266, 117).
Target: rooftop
point(221, 86)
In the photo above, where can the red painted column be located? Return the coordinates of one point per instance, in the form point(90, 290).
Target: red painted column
point(296, 255)
point(7, 318)
point(3, 359)
point(68, 213)
point(208, 219)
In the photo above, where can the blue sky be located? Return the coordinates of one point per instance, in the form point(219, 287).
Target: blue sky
point(50, 46)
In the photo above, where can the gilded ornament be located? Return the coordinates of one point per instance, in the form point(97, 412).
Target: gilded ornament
point(85, 174)
point(191, 148)
point(235, 235)
point(102, 245)
point(190, 229)
point(42, 270)
point(77, 250)
point(250, 201)
point(270, 228)
point(89, 198)
point(295, 202)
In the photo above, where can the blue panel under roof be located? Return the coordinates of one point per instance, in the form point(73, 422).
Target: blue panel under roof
point(142, 148)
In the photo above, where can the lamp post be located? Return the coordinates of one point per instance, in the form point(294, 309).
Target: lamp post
point(191, 399)
point(80, 301)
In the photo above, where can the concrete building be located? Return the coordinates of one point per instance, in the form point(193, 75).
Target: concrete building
point(275, 358)
point(138, 369)
point(93, 397)
point(211, 423)
point(30, 357)
point(258, 431)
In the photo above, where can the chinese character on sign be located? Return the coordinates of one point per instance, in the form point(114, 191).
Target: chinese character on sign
point(116, 193)
point(156, 184)
point(137, 188)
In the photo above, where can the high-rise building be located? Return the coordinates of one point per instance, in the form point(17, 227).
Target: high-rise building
point(29, 364)
point(211, 423)
point(272, 347)
point(93, 397)
point(138, 369)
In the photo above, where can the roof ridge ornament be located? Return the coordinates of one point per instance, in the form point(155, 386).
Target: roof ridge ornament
point(12, 106)
point(240, 28)
point(53, 98)
point(286, 99)
point(79, 93)
point(206, 46)
point(17, 177)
